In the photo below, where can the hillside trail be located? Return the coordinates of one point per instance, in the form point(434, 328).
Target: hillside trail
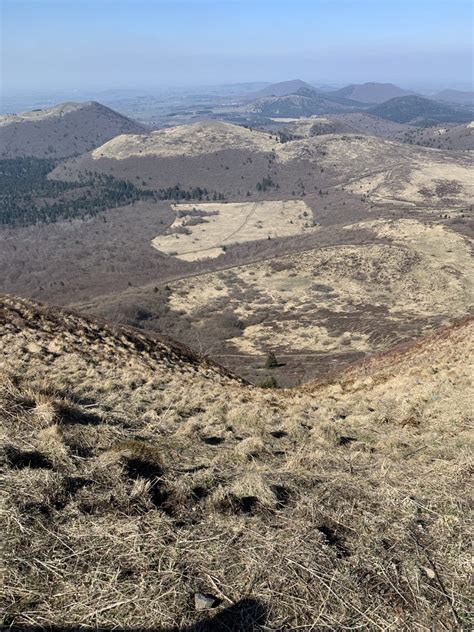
point(229, 236)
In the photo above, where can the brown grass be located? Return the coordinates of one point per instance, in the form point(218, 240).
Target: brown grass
point(135, 476)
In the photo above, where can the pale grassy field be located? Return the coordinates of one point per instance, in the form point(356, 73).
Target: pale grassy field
point(284, 119)
point(224, 224)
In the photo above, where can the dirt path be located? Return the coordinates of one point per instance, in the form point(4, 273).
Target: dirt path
point(234, 232)
point(361, 176)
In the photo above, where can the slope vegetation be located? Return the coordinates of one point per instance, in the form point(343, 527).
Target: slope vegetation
point(322, 306)
point(417, 110)
point(448, 136)
point(233, 160)
point(136, 476)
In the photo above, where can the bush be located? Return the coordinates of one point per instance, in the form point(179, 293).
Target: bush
point(271, 362)
point(268, 382)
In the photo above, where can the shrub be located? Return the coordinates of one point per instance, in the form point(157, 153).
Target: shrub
point(268, 382)
point(271, 362)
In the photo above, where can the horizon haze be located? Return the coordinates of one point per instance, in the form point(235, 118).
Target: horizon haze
point(114, 44)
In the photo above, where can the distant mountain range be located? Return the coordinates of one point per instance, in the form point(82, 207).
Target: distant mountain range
point(305, 102)
point(297, 99)
point(360, 93)
point(364, 93)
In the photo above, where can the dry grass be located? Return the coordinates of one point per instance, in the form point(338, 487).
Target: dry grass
point(186, 140)
point(135, 476)
point(436, 182)
point(343, 298)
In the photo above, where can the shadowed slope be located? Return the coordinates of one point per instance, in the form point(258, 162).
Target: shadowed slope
point(417, 110)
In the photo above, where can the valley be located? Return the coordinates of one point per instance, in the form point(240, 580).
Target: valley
point(241, 243)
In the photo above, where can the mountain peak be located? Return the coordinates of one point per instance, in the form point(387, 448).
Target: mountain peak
point(281, 89)
point(371, 92)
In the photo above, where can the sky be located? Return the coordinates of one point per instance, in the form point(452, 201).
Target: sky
point(105, 44)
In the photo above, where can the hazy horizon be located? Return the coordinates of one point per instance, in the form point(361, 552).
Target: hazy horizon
point(53, 46)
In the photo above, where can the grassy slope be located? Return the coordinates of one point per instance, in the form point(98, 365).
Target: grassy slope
point(135, 476)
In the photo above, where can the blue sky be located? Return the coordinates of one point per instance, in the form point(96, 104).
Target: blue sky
point(83, 44)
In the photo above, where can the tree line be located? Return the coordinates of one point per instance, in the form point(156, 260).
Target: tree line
point(28, 196)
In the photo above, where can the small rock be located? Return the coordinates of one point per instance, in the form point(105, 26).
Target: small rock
point(429, 572)
point(205, 601)
point(55, 347)
point(33, 347)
